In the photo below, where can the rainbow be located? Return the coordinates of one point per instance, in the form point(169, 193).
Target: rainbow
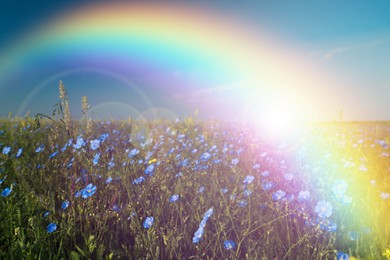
point(211, 50)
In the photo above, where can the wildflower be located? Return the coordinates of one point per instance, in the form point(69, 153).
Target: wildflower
point(53, 154)
point(241, 203)
point(65, 204)
point(265, 173)
point(6, 150)
point(229, 244)
point(198, 235)
point(110, 164)
point(267, 185)
point(6, 192)
point(324, 209)
point(46, 214)
point(224, 190)
point(103, 137)
point(51, 227)
point(327, 225)
point(79, 142)
point(40, 148)
point(148, 222)
point(149, 170)
point(208, 213)
point(95, 144)
point(256, 166)
point(205, 156)
point(88, 191)
point(116, 208)
point(235, 161)
point(133, 153)
point(19, 153)
point(342, 256)
point(96, 159)
point(174, 198)
point(304, 195)
point(138, 180)
point(201, 189)
point(247, 193)
point(248, 179)
point(109, 180)
point(278, 195)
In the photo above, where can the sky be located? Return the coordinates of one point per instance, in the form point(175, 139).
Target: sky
point(246, 61)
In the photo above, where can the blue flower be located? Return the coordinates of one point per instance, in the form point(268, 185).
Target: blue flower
point(248, 179)
point(267, 185)
point(95, 144)
point(265, 173)
point(19, 153)
point(198, 235)
point(278, 195)
point(110, 164)
point(323, 209)
point(138, 180)
point(103, 137)
point(205, 156)
point(149, 170)
point(229, 244)
point(79, 142)
point(88, 191)
point(96, 159)
point(6, 192)
point(40, 148)
point(53, 154)
point(224, 190)
point(235, 161)
point(304, 195)
point(109, 180)
point(242, 203)
point(201, 189)
point(247, 193)
point(148, 222)
point(65, 204)
point(208, 213)
point(174, 198)
point(6, 150)
point(133, 153)
point(342, 256)
point(46, 214)
point(77, 193)
point(51, 227)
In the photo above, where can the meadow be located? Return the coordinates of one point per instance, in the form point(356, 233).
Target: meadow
point(191, 189)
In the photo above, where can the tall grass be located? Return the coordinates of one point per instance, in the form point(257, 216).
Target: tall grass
point(252, 184)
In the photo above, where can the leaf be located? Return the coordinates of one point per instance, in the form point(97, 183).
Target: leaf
point(80, 250)
point(74, 255)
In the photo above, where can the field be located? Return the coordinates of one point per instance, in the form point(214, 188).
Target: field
point(189, 189)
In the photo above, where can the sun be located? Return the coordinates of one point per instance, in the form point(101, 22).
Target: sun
point(275, 111)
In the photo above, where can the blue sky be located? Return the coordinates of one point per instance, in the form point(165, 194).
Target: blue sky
point(349, 39)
